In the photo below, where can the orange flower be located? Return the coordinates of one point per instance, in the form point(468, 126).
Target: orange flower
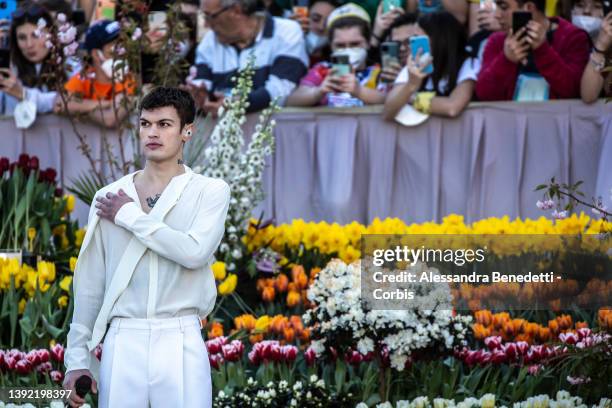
point(543, 334)
point(296, 323)
point(484, 317)
point(305, 335)
point(278, 323)
point(301, 280)
point(289, 334)
point(499, 319)
point(268, 294)
point(256, 338)
point(216, 330)
point(295, 271)
point(604, 318)
point(553, 325)
point(582, 325)
point(281, 283)
point(293, 298)
point(480, 332)
point(565, 322)
point(245, 322)
point(314, 272)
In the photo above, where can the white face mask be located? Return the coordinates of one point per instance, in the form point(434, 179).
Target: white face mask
point(315, 42)
point(357, 56)
point(588, 23)
point(118, 67)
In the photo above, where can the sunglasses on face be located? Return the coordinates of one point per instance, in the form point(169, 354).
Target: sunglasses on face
point(34, 12)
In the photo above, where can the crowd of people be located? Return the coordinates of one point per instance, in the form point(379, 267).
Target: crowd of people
point(434, 56)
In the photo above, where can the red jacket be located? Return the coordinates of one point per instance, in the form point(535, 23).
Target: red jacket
point(560, 63)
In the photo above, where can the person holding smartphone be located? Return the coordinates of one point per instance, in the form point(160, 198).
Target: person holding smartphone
point(594, 79)
point(348, 80)
point(534, 58)
point(438, 77)
point(27, 78)
point(458, 8)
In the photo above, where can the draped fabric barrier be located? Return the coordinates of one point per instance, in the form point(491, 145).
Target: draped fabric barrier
point(350, 165)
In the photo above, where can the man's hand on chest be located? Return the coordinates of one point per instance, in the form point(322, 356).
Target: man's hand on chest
point(109, 205)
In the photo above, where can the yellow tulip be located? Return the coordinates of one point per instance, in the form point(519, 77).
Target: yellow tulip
point(228, 286)
point(22, 305)
point(262, 323)
point(219, 270)
point(31, 233)
point(69, 203)
point(65, 283)
point(62, 301)
point(73, 262)
point(78, 237)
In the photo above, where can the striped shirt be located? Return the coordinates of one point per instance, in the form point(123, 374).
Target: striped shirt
point(280, 62)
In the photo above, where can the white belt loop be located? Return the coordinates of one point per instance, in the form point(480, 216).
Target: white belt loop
point(118, 323)
point(181, 324)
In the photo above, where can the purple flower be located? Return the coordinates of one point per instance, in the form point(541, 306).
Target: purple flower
point(71, 49)
point(68, 36)
point(41, 23)
point(559, 215)
point(545, 205)
point(578, 380)
point(49, 44)
point(61, 18)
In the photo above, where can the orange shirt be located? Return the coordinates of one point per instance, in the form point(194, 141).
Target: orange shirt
point(88, 88)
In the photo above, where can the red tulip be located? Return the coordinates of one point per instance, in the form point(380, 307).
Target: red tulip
point(584, 333)
point(57, 376)
point(534, 369)
point(493, 342)
point(4, 165)
point(310, 356)
point(23, 367)
point(33, 163)
point(498, 356)
point(33, 358)
point(215, 345)
point(289, 353)
point(44, 367)
point(44, 355)
point(23, 160)
point(215, 360)
point(57, 353)
point(568, 338)
point(233, 351)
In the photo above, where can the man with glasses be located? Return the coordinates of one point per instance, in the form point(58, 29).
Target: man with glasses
point(237, 32)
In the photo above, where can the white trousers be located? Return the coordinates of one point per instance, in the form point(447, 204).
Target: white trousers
point(157, 363)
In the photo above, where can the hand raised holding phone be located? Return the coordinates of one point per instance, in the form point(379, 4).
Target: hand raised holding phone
point(417, 68)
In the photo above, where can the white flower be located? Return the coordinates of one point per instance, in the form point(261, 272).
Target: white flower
point(487, 401)
point(61, 18)
point(559, 215)
point(41, 23)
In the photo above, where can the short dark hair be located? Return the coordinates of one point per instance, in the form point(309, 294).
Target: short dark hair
point(401, 20)
point(540, 4)
point(348, 22)
point(161, 97)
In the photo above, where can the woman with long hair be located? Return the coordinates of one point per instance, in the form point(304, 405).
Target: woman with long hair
point(30, 75)
point(449, 88)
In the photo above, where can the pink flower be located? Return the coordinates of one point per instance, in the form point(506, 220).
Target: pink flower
point(493, 342)
point(522, 347)
point(534, 369)
point(44, 355)
point(511, 350)
point(584, 333)
point(233, 351)
point(49, 44)
point(353, 357)
point(559, 215)
point(57, 353)
point(215, 360)
point(568, 338)
point(57, 376)
point(71, 49)
point(11, 362)
point(289, 352)
point(498, 356)
point(67, 36)
point(44, 367)
point(545, 205)
point(215, 345)
point(310, 356)
point(41, 23)
point(61, 18)
point(23, 367)
point(33, 358)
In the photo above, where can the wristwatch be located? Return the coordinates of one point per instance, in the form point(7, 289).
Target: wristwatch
point(599, 65)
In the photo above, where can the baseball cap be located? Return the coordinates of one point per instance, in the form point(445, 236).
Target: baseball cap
point(101, 33)
point(348, 10)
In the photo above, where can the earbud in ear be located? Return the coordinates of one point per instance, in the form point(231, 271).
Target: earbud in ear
point(189, 133)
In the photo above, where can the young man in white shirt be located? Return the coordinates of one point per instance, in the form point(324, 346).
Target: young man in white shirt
point(144, 270)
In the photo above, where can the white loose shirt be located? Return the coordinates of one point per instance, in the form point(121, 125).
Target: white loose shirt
point(153, 265)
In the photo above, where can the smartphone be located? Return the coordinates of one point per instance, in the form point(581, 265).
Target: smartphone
point(340, 65)
point(421, 42)
point(607, 7)
point(389, 53)
point(105, 10)
point(487, 5)
point(7, 7)
point(157, 21)
point(78, 17)
point(520, 20)
point(300, 8)
point(5, 58)
point(389, 5)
